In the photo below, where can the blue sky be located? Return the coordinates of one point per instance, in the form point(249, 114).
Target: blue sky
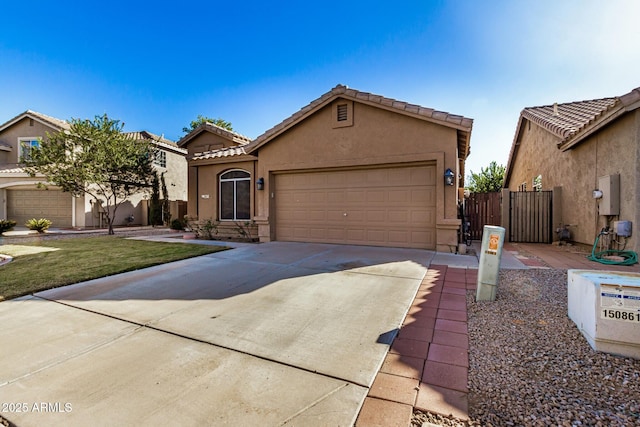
point(157, 65)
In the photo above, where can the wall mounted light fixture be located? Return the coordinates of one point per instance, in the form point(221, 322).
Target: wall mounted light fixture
point(448, 177)
point(260, 184)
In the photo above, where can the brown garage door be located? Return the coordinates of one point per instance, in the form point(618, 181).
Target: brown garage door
point(54, 205)
point(380, 207)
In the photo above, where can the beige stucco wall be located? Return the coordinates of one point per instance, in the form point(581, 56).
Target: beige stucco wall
point(203, 191)
point(612, 150)
point(24, 128)
point(377, 137)
point(175, 175)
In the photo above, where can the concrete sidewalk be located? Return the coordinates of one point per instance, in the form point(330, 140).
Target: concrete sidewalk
point(269, 334)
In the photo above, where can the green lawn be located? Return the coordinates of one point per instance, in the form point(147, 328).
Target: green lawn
point(49, 264)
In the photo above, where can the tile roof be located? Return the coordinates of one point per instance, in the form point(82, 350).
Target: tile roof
point(220, 153)
point(158, 140)
point(148, 135)
point(566, 120)
point(210, 127)
point(9, 168)
point(463, 124)
point(62, 124)
point(573, 122)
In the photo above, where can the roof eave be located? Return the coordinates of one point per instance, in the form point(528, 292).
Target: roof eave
point(514, 149)
point(35, 117)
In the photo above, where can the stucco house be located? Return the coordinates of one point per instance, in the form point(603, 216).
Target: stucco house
point(350, 167)
point(21, 198)
point(574, 149)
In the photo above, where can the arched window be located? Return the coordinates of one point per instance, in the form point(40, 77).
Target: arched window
point(235, 195)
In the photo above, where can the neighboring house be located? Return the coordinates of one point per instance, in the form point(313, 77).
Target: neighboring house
point(351, 167)
point(22, 197)
point(574, 149)
point(169, 160)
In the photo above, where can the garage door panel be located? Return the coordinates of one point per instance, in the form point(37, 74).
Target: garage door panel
point(334, 234)
point(400, 195)
point(376, 196)
point(315, 215)
point(334, 216)
point(377, 216)
point(399, 216)
point(398, 236)
point(22, 205)
point(354, 197)
point(336, 196)
point(382, 206)
point(356, 235)
point(422, 198)
point(399, 177)
point(335, 179)
point(419, 176)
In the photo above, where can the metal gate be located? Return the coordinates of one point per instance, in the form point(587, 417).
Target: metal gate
point(530, 217)
point(482, 209)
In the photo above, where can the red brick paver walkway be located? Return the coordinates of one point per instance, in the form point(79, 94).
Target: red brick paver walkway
point(428, 362)
point(561, 257)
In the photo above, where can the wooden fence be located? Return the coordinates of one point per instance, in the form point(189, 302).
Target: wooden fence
point(482, 209)
point(530, 216)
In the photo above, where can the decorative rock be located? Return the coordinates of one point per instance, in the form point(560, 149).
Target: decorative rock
point(530, 366)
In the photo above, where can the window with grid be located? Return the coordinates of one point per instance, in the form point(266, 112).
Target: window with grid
point(160, 158)
point(235, 195)
point(26, 145)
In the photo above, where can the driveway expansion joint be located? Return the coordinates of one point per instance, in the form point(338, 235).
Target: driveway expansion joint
point(202, 341)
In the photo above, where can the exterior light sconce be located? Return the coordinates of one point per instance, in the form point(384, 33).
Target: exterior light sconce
point(448, 177)
point(260, 184)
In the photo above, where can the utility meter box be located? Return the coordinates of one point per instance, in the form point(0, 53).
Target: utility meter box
point(605, 306)
point(489, 267)
point(610, 201)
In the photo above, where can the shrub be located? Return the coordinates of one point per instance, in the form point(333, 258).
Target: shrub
point(40, 225)
point(244, 230)
point(206, 229)
point(177, 224)
point(6, 225)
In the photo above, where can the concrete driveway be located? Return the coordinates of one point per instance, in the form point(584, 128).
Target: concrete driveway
point(270, 334)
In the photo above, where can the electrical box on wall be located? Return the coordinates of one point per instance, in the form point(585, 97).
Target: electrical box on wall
point(610, 201)
point(622, 228)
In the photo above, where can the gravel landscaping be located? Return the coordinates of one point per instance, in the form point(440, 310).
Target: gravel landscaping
point(530, 366)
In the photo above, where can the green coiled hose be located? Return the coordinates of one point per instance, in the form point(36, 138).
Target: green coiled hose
point(630, 257)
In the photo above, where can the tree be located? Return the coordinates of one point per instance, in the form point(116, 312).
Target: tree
point(202, 119)
point(95, 158)
point(166, 214)
point(155, 209)
point(159, 208)
point(489, 180)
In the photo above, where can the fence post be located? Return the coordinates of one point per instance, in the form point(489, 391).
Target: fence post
point(505, 213)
